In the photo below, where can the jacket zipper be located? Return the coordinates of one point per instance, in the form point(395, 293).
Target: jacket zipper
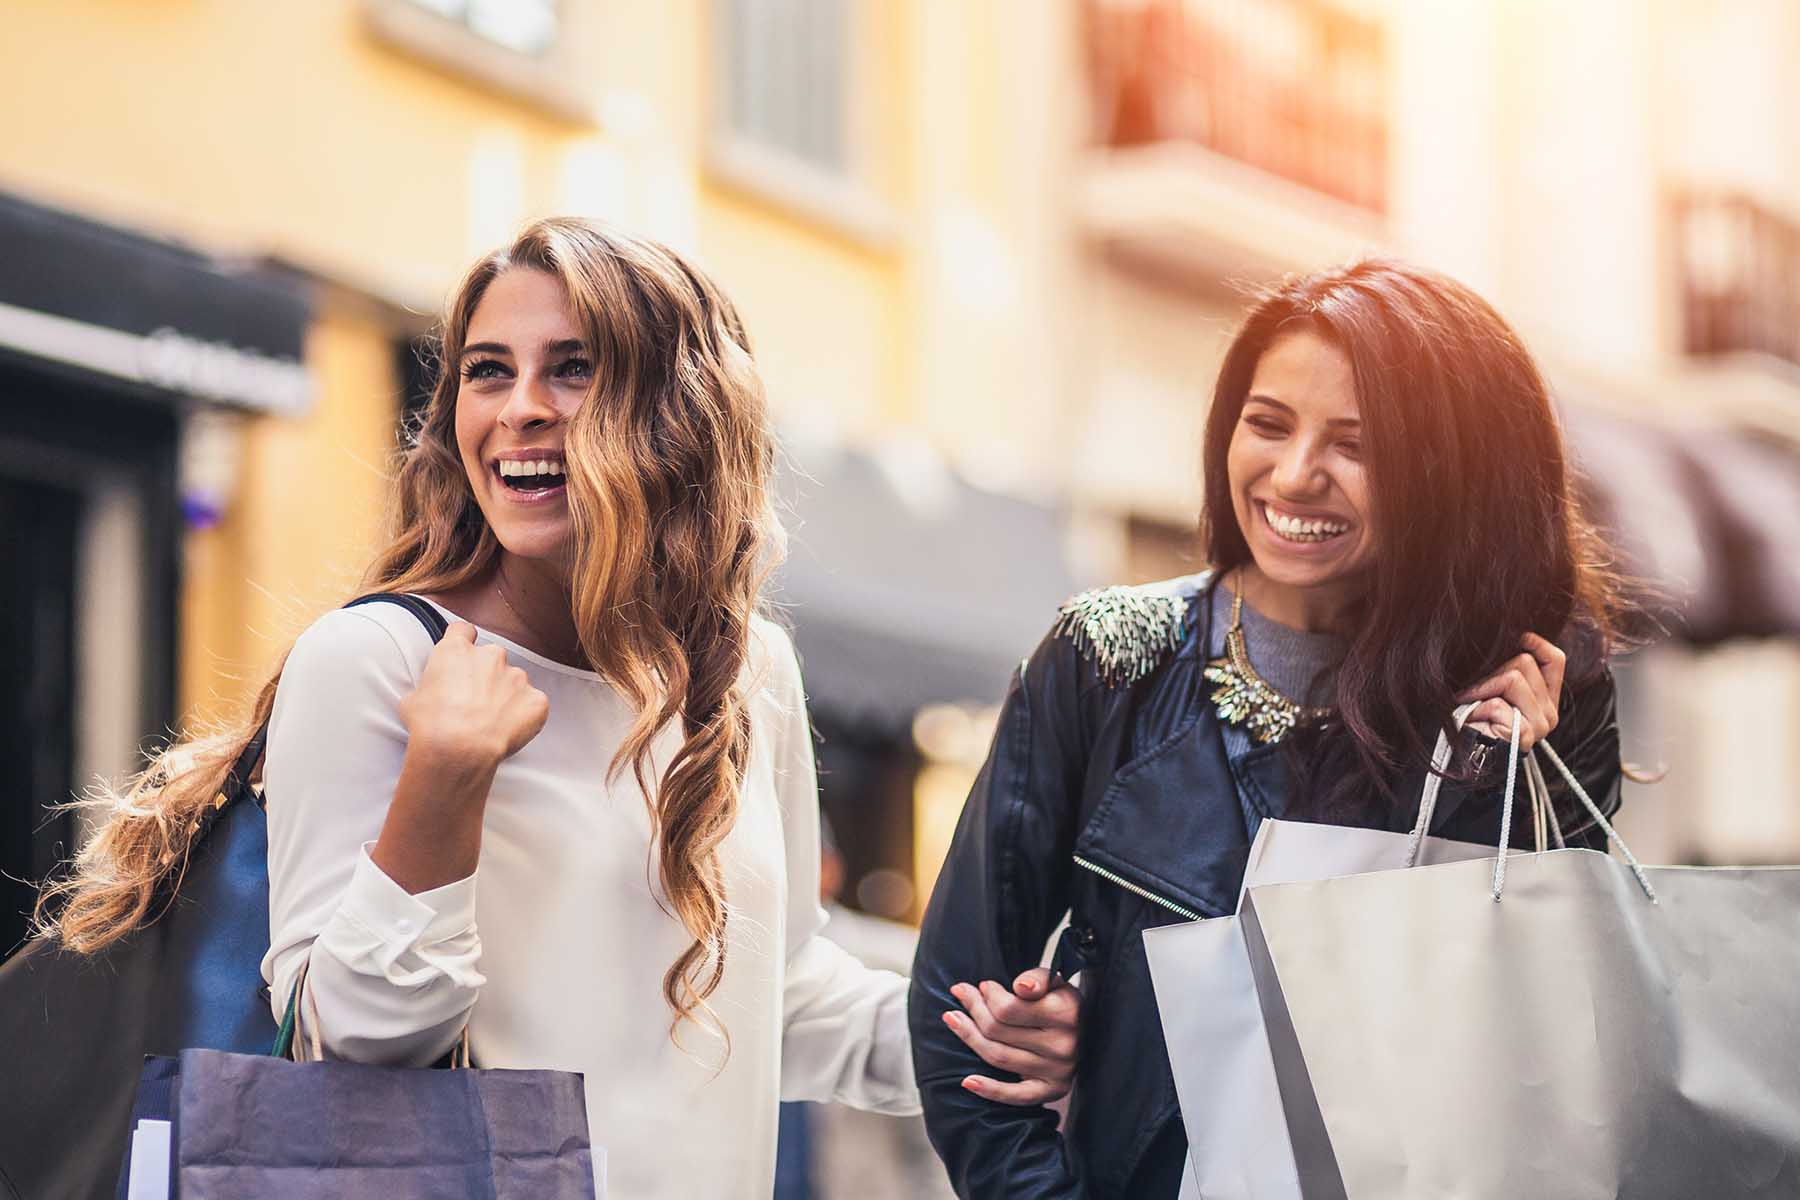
point(1129, 886)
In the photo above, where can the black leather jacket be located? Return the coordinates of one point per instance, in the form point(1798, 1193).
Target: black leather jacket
point(1114, 802)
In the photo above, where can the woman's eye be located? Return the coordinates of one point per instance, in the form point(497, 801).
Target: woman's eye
point(1264, 426)
point(482, 368)
point(575, 368)
point(1351, 447)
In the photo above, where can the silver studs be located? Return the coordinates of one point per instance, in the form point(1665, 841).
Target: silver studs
point(1127, 631)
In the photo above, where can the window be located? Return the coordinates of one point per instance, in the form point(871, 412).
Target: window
point(522, 47)
point(785, 77)
point(1293, 87)
point(788, 103)
point(527, 26)
point(1739, 270)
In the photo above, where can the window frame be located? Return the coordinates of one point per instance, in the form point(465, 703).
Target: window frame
point(453, 46)
point(845, 201)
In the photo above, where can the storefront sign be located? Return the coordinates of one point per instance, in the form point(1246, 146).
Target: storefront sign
point(102, 299)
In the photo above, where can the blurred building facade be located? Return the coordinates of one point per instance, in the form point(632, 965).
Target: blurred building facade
point(1616, 177)
point(989, 255)
point(349, 158)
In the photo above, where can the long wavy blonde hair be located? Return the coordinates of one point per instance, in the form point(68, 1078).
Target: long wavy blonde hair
point(668, 464)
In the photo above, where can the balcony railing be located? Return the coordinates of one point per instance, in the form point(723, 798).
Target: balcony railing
point(1293, 87)
point(1739, 271)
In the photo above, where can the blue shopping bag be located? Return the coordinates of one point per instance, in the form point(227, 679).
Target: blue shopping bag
point(261, 1125)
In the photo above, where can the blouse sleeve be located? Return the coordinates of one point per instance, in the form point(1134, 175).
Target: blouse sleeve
point(392, 975)
point(844, 1035)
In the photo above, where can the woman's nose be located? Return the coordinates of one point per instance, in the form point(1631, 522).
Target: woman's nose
point(528, 406)
point(1297, 473)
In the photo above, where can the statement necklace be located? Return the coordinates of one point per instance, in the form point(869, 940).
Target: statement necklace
point(1245, 698)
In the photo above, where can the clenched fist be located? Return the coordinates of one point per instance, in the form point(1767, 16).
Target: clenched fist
point(472, 710)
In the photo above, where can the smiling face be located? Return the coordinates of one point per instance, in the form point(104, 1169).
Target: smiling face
point(523, 372)
point(1298, 485)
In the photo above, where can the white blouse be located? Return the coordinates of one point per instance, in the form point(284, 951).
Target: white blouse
point(553, 952)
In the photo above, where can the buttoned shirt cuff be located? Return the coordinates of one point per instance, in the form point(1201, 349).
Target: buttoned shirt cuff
point(381, 929)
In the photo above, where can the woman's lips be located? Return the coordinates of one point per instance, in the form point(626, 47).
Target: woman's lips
point(527, 497)
point(1292, 529)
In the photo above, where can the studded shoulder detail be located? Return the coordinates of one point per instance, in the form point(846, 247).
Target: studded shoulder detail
point(1128, 631)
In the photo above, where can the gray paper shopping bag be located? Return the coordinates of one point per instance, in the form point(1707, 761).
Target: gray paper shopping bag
point(1212, 1020)
point(1213, 1023)
point(1564, 1025)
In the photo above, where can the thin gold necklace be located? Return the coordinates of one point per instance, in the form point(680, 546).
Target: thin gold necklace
point(1245, 698)
point(500, 590)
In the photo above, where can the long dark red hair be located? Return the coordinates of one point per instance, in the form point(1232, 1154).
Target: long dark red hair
point(1478, 535)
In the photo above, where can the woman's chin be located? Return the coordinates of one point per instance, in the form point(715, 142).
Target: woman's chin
point(549, 547)
point(1316, 565)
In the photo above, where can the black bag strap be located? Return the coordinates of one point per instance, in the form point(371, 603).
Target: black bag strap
point(237, 781)
point(418, 606)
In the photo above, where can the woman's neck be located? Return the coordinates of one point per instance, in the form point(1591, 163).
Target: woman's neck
point(1322, 609)
point(537, 596)
point(533, 608)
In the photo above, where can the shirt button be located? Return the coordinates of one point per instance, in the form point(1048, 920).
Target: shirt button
point(404, 925)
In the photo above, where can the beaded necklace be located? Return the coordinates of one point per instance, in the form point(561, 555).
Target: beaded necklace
point(1245, 698)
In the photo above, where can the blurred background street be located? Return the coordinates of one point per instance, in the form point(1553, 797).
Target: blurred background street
point(989, 252)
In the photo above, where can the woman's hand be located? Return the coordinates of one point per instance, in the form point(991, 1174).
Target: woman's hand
point(471, 710)
point(1030, 1031)
point(1531, 683)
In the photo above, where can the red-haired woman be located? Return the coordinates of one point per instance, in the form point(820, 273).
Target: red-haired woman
point(1391, 531)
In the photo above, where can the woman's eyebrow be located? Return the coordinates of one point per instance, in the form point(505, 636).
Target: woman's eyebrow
point(560, 346)
point(1259, 398)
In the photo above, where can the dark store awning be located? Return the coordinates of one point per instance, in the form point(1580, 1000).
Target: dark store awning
point(1753, 488)
point(99, 299)
point(908, 589)
point(1705, 516)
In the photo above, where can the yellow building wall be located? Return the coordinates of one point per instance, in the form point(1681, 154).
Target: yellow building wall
point(266, 128)
point(825, 314)
point(309, 513)
point(256, 125)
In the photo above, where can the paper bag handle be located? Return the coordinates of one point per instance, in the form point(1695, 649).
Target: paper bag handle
point(288, 1040)
point(1543, 813)
point(1434, 779)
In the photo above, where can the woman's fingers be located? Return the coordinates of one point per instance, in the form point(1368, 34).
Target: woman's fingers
point(994, 1054)
point(1044, 1052)
point(1521, 684)
point(1033, 1002)
point(1026, 1093)
point(1551, 659)
point(1493, 718)
point(1030, 1032)
point(471, 703)
point(1540, 712)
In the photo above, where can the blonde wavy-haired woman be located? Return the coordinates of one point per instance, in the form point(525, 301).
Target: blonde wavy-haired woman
point(584, 825)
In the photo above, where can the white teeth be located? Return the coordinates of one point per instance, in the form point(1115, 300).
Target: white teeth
point(1294, 527)
point(511, 468)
